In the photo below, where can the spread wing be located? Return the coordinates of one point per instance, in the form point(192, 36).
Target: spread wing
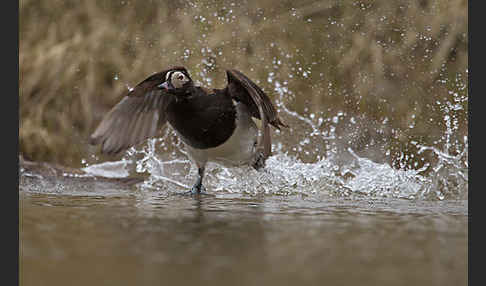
point(138, 116)
point(242, 89)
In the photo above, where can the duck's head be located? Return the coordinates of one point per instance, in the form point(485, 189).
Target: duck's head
point(177, 81)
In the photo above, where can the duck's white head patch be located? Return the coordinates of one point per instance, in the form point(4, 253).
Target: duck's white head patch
point(177, 79)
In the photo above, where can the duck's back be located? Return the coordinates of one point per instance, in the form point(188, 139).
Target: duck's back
point(203, 120)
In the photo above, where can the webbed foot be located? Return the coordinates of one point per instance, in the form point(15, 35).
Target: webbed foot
point(198, 189)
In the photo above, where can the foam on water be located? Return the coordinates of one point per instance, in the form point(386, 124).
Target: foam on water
point(116, 169)
point(285, 174)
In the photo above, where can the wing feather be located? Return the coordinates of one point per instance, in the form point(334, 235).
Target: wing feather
point(241, 88)
point(138, 116)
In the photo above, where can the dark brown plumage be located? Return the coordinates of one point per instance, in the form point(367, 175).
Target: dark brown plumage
point(213, 123)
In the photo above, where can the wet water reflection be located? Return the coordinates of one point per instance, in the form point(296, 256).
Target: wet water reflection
point(133, 237)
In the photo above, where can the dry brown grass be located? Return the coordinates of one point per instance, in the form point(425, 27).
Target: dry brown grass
point(380, 58)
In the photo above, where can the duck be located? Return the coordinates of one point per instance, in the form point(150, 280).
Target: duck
point(229, 125)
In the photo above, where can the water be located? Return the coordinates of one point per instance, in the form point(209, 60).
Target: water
point(86, 232)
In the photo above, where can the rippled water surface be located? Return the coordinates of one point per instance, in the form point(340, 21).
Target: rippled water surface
point(78, 229)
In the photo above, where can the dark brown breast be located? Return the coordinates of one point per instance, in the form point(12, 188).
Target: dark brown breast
point(203, 120)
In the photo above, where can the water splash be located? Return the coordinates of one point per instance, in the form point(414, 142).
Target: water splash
point(374, 179)
point(287, 174)
point(316, 155)
point(116, 169)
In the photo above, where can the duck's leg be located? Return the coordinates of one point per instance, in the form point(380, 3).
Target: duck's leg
point(198, 187)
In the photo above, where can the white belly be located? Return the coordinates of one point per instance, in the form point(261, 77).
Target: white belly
point(239, 148)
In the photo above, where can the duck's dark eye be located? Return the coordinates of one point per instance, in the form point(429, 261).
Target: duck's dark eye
point(181, 77)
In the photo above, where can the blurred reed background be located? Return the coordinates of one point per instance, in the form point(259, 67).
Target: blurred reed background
point(386, 63)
